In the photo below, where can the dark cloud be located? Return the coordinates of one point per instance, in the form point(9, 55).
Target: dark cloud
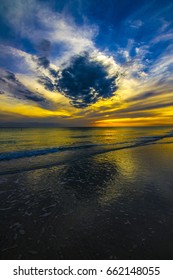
point(145, 95)
point(138, 107)
point(47, 82)
point(86, 81)
point(142, 96)
point(54, 73)
point(2, 80)
point(154, 106)
point(44, 45)
point(43, 61)
point(30, 96)
point(11, 85)
point(11, 76)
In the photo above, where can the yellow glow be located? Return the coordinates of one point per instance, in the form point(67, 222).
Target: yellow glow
point(125, 108)
point(29, 110)
point(151, 121)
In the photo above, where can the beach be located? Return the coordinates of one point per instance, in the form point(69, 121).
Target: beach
point(86, 193)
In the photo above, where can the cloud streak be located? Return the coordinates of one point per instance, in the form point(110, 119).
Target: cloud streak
point(11, 86)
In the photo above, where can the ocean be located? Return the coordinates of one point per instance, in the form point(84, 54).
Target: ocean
point(86, 193)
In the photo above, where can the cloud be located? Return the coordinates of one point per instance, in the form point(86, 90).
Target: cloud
point(136, 23)
point(164, 36)
point(77, 76)
point(44, 46)
point(20, 61)
point(47, 82)
point(84, 81)
point(142, 96)
point(63, 55)
point(159, 91)
point(11, 86)
point(140, 107)
point(43, 61)
point(36, 21)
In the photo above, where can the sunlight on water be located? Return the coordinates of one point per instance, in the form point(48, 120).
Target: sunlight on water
point(25, 149)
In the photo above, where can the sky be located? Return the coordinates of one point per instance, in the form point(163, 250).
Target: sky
point(86, 62)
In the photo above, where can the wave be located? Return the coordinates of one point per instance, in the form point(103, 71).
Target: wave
point(92, 135)
point(67, 161)
point(40, 152)
point(144, 140)
point(86, 151)
point(7, 142)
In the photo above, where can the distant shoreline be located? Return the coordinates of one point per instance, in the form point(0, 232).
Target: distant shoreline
point(80, 127)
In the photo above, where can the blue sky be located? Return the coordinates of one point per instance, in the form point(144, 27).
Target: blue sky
point(91, 62)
